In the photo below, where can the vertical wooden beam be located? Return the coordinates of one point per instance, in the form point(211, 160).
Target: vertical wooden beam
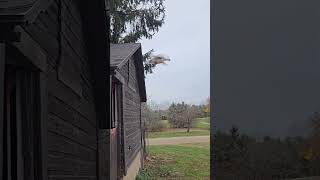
point(19, 137)
point(43, 120)
point(7, 125)
point(2, 70)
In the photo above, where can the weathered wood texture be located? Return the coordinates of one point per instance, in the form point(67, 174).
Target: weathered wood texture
point(131, 112)
point(72, 127)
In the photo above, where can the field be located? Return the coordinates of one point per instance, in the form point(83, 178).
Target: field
point(187, 161)
point(178, 133)
point(203, 123)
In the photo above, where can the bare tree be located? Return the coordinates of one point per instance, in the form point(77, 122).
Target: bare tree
point(191, 113)
point(152, 118)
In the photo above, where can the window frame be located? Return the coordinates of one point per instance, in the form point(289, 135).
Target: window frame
point(116, 101)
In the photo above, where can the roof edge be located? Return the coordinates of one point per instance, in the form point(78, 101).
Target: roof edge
point(141, 79)
point(129, 55)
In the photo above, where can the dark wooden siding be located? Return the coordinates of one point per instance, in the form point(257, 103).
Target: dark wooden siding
point(72, 134)
point(132, 117)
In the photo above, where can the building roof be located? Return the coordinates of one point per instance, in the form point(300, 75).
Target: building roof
point(19, 11)
point(120, 53)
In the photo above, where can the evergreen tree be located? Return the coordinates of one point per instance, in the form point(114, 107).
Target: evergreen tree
point(132, 20)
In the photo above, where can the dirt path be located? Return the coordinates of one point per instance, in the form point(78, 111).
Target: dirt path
point(178, 140)
point(183, 129)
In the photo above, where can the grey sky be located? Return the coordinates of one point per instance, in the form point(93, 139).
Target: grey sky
point(266, 65)
point(185, 38)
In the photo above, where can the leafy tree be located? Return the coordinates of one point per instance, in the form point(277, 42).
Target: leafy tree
point(132, 20)
point(176, 115)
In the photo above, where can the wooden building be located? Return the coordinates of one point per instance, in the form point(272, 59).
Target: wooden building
point(128, 93)
point(55, 119)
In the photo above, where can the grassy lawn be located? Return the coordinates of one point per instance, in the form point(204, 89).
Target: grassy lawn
point(177, 133)
point(188, 161)
point(203, 123)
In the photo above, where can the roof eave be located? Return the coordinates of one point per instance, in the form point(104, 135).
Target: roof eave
point(25, 17)
point(142, 86)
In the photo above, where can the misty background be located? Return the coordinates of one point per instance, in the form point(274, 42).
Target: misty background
point(266, 68)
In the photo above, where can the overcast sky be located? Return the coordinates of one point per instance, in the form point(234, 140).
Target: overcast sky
point(185, 38)
point(266, 65)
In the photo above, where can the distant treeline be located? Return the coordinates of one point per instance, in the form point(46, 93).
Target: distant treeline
point(179, 115)
point(238, 156)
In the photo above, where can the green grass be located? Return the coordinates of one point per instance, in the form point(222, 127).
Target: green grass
point(165, 134)
point(189, 161)
point(203, 123)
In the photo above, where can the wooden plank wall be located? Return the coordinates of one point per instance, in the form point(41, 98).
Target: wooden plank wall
point(72, 126)
point(131, 112)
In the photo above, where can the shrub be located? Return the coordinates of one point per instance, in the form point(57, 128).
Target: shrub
point(155, 126)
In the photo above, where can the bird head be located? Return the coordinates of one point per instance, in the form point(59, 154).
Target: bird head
point(159, 59)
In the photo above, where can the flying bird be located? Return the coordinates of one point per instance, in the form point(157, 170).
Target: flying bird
point(159, 59)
